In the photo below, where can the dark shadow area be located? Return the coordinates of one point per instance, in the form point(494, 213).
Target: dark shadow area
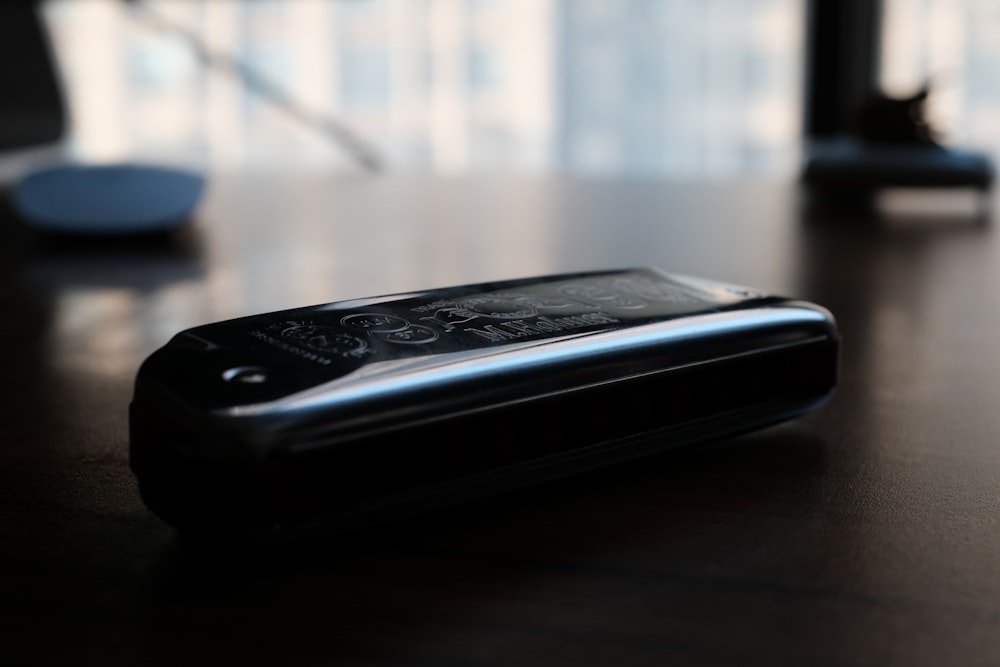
point(664, 523)
point(748, 469)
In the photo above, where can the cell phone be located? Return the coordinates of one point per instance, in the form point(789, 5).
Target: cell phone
point(310, 421)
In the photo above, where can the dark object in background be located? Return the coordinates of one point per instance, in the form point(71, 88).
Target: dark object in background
point(123, 199)
point(860, 142)
point(32, 112)
point(842, 54)
point(316, 420)
point(893, 146)
point(107, 199)
point(885, 120)
point(846, 165)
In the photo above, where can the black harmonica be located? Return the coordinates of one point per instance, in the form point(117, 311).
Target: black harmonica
point(319, 419)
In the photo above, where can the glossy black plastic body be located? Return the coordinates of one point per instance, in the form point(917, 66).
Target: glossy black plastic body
point(319, 419)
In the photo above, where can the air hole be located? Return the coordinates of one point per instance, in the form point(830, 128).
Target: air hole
point(245, 375)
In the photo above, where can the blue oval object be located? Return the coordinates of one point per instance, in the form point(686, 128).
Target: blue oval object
point(107, 199)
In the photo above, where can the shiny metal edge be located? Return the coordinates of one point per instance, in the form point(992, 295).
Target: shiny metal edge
point(393, 379)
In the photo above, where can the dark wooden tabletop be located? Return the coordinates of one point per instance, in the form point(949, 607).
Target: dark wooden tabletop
point(867, 533)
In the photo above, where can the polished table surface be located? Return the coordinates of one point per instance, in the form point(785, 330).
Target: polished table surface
point(867, 533)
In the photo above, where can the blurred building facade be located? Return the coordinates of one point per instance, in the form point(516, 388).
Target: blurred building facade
point(686, 88)
point(955, 46)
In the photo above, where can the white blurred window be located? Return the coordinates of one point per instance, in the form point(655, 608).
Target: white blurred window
point(684, 88)
point(955, 45)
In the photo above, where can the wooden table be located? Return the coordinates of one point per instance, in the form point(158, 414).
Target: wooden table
point(866, 533)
